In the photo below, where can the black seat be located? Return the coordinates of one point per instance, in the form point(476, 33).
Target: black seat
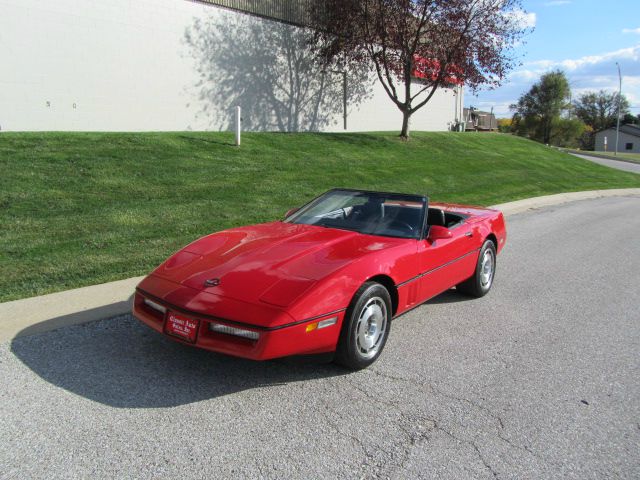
point(435, 216)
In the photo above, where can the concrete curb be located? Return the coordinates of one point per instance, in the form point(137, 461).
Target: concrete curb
point(49, 312)
point(519, 206)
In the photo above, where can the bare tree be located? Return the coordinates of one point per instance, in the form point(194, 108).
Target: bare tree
point(429, 43)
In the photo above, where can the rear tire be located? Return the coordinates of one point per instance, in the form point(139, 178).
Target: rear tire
point(365, 328)
point(480, 283)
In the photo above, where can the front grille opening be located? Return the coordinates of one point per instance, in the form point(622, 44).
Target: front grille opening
point(152, 308)
point(236, 335)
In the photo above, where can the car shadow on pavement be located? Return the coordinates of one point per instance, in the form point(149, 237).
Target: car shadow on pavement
point(122, 363)
point(450, 296)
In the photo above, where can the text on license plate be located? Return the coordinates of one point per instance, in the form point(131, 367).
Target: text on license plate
point(183, 327)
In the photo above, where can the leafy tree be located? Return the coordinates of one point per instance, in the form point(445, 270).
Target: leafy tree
point(505, 124)
point(587, 140)
point(538, 110)
point(630, 118)
point(419, 46)
point(567, 132)
point(599, 109)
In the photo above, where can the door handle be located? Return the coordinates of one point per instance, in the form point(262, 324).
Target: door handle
point(468, 234)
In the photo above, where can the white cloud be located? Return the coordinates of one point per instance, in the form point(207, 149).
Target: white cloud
point(631, 30)
point(594, 63)
point(631, 89)
point(522, 18)
point(591, 72)
point(556, 3)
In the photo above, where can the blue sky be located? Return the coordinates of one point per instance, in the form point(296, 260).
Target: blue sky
point(585, 39)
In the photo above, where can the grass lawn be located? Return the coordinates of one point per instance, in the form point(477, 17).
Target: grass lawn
point(80, 209)
point(629, 157)
point(625, 157)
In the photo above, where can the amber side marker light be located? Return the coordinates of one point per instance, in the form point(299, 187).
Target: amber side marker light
point(322, 324)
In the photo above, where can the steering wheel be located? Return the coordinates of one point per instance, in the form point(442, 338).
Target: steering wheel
point(402, 225)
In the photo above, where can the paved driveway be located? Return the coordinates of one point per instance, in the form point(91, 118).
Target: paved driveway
point(540, 379)
point(617, 164)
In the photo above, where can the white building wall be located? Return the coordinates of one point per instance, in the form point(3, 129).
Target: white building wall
point(381, 114)
point(124, 65)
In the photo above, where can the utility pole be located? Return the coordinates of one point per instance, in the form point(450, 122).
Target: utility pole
point(569, 107)
point(619, 97)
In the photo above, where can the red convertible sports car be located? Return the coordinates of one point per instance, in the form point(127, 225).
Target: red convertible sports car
point(330, 277)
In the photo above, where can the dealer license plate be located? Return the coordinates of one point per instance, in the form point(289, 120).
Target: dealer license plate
point(180, 326)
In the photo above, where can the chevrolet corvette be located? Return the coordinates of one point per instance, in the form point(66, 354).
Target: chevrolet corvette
point(329, 277)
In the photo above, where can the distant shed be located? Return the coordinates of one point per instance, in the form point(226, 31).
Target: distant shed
point(629, 140)
point(477, 120)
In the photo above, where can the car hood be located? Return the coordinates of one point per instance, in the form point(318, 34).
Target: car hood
point(273, 263)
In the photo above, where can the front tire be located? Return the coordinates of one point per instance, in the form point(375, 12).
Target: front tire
point(480, 283)
point(365, 328)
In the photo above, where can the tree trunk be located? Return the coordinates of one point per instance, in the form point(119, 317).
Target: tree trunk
point(547, 132)
point(406, 106)
point(405, 124)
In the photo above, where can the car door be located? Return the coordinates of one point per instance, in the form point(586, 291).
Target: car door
point(448, 261)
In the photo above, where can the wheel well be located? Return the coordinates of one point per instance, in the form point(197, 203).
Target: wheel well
point(388, 283)
point(493, 238)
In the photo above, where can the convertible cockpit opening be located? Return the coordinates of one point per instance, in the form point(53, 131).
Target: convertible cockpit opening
point(442, 218)
point(373, 213)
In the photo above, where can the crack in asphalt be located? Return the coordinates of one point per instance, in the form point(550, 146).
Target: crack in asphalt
point(370, 456)
point(422, 385)
point(416, 427)
point(439, 391)
point(471, 443)
point(414, 437)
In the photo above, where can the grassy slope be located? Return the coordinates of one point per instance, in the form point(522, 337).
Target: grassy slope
point(629, 157)
point(625, 157)
point(80, 209)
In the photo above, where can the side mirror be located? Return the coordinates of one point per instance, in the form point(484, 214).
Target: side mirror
point(290, 212)
point(436, 232)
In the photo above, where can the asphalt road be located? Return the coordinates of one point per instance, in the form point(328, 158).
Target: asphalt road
point(539, 379)
point(617, 164)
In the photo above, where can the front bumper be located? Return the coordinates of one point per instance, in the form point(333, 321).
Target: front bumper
point(297, 338)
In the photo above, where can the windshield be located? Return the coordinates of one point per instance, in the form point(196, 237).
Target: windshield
point(372, 213)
